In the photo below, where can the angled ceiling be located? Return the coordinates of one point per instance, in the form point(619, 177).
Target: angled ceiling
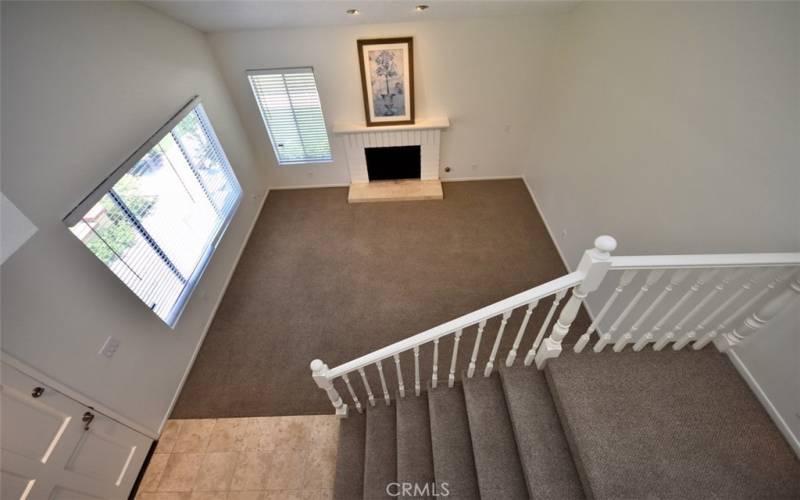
point(225, 15)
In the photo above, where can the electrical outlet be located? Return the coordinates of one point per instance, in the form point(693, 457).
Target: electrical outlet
point(110, 347)
point(474, 168)
point(563, 232)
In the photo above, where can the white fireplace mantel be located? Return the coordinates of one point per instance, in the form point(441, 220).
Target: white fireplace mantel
point(421, 124)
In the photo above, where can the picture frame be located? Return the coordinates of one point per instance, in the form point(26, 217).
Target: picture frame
point(387, 80)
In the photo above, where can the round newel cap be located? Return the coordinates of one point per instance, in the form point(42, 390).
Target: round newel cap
point(317, 365)
point(605, 243)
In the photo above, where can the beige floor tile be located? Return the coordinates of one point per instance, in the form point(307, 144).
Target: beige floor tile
point(209, 495)
point(194, 436)
point(254, 431)
point(229, 434)
point(250, 471)
point(166, 442)
point(286, 432)
point(245, 495)
point(180, 472)
point(165, 495)
point(320, 469)
point(216, 471)
point(285, 495)
point(319, 494)
point(155, 469)
point(284, 470)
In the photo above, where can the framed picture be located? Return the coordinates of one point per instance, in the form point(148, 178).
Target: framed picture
point(387, 80)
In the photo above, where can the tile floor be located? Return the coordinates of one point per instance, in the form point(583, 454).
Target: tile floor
point(261, 458)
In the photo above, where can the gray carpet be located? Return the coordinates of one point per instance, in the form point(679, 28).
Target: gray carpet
point(414, 455)
point(543, 450)
point(669, 425)
point(494, 446)
point(321, 278)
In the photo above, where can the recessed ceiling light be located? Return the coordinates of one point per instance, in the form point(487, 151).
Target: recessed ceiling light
point(422, 7)
point(353, 12)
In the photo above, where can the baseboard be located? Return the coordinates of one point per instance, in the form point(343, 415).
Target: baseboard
point(213, 313)
point(547, 225)
point(309, 186)
point(793, 440)
point(492, 178)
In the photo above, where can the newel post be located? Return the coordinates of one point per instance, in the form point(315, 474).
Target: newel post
point(594, 265)
point(319, 372)
point(759, 319)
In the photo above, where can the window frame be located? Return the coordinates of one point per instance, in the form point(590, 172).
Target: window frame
point(265, 123)
point(106, 186)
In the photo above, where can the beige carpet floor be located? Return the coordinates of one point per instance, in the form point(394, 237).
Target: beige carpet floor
point(323, 279)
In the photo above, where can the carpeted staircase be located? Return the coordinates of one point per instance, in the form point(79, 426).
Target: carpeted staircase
point(610, 425)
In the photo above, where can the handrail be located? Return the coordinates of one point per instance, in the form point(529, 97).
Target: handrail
point(705, 260)
point(484, 313)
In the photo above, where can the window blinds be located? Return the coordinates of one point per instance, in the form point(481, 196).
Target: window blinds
point(156, 221)
point(292, 113)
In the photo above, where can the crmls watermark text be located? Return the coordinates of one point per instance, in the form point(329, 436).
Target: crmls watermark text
point(418, 490)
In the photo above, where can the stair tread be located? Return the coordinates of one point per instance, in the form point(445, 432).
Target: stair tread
point(380, 450)
point(677, 424)
point(543, 450)
point(414, 454)
point(494, 446)
point(453, 463)
point(349, 479)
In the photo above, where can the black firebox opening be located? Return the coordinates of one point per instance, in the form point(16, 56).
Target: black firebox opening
point(393, 162)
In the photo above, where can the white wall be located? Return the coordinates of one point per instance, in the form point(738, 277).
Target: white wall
point(674, 127)
point(483, 74)
point(83, 85)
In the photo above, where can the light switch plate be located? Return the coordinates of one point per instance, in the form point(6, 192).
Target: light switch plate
point(110, 347)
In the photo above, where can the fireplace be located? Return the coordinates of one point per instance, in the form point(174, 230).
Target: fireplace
point(393, 163)
point(404, 157)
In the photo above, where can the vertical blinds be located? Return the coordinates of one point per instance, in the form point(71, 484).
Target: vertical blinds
point(292, 113)
point(159, 223)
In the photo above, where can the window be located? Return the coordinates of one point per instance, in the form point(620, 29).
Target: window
point(156, 221)
point(292, 114)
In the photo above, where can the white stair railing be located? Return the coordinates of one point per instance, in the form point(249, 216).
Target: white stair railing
point(674, 310)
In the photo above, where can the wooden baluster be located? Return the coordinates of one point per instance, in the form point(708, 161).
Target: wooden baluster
point(742, 309)
point(416, 370)
point(451, 378)
point(386, 398)
point(756, 321)
point(594, 265)
point(651, 279)
point(624, 280)
point(512, 354)
point(675, 279)
point(690, 336)
point(435, 374)
point(319, 372)
point(677, 305)
point(367, 387)
point(705, 277)
point(474, 358)
point(543, 329)
point(400, 385)
point(490, 364)
point(352, 393)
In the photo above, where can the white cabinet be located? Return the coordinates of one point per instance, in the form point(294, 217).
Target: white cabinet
point(56, 448)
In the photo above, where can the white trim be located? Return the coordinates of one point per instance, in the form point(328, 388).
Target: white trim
point(705, 260)
point(546, 224)
point(470, 179)
point(72, 394)
point(793, 440)
point(213, 313)
point(310, 186)
point(419, 124)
